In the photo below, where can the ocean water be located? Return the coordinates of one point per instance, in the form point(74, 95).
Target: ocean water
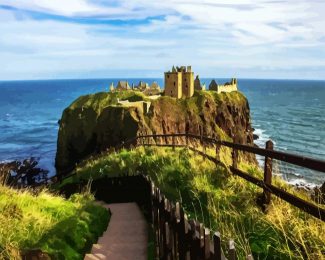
point(291, 113)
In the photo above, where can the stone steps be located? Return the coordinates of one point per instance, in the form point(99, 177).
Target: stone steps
point(126, 237)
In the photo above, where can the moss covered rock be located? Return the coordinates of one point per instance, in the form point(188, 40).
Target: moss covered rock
point(96, 122)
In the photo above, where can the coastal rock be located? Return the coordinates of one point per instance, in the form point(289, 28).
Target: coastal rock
point(97, 122)
point(255, 137)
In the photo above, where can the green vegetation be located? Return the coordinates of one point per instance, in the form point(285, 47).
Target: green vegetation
point(65, 229)
point(222, 201)
point(99, 101)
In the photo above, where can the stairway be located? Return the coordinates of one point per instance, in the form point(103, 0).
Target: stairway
point(126, 237)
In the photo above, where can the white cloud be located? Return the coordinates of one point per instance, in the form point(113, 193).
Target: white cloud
point(233, 35)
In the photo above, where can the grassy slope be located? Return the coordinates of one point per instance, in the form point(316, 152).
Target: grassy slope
point(65, 229)
point(223, 202)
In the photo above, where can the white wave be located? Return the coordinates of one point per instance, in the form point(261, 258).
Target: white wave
point(301, 183)
point(262, 137)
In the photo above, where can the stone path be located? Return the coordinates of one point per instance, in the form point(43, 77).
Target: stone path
point(126, 237)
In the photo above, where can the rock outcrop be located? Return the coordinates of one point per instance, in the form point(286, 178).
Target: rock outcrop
point(97, 122)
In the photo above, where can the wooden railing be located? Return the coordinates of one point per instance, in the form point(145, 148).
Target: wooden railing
point(268, 153)
point(177, 237)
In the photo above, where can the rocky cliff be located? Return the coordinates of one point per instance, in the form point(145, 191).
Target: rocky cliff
point(94, 123)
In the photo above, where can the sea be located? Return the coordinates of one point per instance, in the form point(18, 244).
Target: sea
point(291, 113)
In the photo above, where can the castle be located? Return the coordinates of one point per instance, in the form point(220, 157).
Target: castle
point(180, 83)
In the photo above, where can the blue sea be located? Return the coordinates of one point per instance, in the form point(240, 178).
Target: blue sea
point(290, 112)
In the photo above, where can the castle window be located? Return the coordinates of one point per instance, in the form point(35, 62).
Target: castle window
point(174, 83)
point(167, 76)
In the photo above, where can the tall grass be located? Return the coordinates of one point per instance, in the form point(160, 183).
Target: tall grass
point(222, 201)
point(65, 229)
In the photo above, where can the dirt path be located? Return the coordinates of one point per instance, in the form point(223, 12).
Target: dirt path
point(126, 237)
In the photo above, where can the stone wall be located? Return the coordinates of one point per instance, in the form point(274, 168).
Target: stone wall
point(227, 88)
point(188, 84)
point(173, 84)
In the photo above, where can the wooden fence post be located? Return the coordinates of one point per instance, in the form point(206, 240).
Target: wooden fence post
point(234, 157)
point(201, 239)
point(181, 231)
point(207, 243)
point(232, 250)
point(267, 173)
point(218, 152)
point(174, 142)
point(217, 246)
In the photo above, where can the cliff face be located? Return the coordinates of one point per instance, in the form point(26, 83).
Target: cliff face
point(96, 122)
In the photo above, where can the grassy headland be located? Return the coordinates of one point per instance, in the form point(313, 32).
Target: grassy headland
point(223, 202)
point(64, 229)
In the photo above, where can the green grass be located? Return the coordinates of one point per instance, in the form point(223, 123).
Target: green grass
point(100, 100)
point(65, 229)
point(224, 202)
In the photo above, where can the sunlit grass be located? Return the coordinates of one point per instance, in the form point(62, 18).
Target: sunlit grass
point(224, 202)
point(62, 228)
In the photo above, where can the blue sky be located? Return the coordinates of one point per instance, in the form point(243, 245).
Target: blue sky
point(50, 39)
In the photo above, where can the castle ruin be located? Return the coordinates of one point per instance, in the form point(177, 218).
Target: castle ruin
point(179, 82)
point(227, 87)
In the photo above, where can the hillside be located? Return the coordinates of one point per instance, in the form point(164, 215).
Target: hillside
point(61, 228)
point(220, 200)
point(96, 122)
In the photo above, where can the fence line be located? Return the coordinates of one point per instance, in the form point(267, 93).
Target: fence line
point(269, 154)
point(176, 237)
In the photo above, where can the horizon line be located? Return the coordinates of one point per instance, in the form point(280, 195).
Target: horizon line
point(128, 78)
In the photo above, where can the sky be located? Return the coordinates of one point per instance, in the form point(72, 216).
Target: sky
point(58, 39)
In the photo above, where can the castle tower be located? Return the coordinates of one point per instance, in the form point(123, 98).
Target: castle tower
point(179, 82)
point(187, 82)
point(173, 83)
point(111, 87)
point(213, 85)
point(197, 83)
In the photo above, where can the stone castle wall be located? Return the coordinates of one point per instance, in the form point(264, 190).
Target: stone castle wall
point(173, 84)
point(227, 88)
point(188, 84)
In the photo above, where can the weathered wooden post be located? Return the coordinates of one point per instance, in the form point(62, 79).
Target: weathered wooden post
point(267, 173)
point(201, 243)
point(234, 157)
point(181, 231)
point(217, 246)
point(206, 243)
point(174, 142)
point(218, 152)
point(186, 138)
point(232, 250)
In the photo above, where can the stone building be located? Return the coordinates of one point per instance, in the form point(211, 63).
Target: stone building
point(179, 82)
point(154, 89)
point(227, 87)
point(213, 85)
point(122, 85)
point(142, 86)
point(197, 84)
point(111, 87)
